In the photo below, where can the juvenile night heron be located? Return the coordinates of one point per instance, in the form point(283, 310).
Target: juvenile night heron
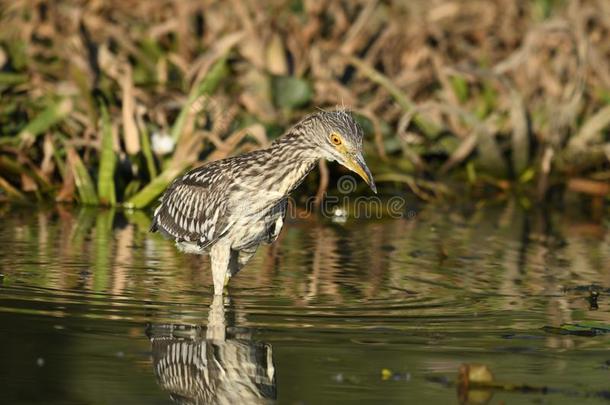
point(230, 206)
point(221, 364)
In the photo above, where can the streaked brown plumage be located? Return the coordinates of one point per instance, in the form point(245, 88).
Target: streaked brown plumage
point(214, 365)
point(230, 206)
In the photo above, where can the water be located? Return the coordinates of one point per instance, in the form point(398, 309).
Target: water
point(94, 309)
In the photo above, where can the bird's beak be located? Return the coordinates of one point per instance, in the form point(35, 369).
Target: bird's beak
point(356, 164)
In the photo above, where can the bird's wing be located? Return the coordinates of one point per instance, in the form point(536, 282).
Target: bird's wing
point(194, 207)
point(276, 220)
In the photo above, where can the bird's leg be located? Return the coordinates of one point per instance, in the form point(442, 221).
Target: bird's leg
point(220, 254)
point(239, 258)
point(233, 266)
point(216, 330)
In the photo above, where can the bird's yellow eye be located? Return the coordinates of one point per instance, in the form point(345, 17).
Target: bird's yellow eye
point(335, 139)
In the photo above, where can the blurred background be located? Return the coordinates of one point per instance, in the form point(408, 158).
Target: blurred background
point(105, 102)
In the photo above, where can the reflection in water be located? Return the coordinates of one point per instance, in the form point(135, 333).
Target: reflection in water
point(339, 303)
point(199, 366)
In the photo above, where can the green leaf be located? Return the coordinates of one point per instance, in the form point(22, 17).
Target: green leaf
point(47, 118)
point(131, 189)
point(103, 250)
point(487, 102)
point(527, 175)
point(585, 328)
point(84, 184)
point(18, 54)
point(10, 190)
point(105, 182)
point(460, 87)
point(153, 189)
point(12, 79)
point(147, 151)
point(206, 86)
point(290, 92)
point(471, 172)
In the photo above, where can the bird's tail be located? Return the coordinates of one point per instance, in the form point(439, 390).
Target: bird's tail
point(154, 227)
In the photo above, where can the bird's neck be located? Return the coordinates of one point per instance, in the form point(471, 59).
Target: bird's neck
point(292, 158)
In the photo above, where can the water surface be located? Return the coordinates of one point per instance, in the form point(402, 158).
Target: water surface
point(94, 309)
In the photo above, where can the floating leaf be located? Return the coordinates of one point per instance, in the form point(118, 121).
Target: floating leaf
point(473, 383)
point(585, 328)
point(475, 374)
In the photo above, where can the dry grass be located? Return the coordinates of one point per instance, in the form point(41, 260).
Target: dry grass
point(508, 93)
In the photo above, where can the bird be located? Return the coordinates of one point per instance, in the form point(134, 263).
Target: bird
point(228, 207)
point(219, 364)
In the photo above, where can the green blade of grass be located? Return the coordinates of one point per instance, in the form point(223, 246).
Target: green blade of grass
point(51, 115)
point(11, 191)
point(460, 87)
point(12, 79)
point(58, 158)
point(131, 189)
point(103, 249)
point(207, 86)
point(146, 149)
point(84, 184)
point(153, 189)
point(17, 168)
point(105, 182)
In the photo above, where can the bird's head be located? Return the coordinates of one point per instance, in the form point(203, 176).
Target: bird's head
point(339, 137)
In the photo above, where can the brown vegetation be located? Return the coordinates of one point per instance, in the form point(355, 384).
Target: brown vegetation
point(107, 101)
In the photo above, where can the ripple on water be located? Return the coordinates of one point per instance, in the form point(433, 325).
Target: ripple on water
point(341, 301)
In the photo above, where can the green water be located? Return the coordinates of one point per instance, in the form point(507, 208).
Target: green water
point(95, 310)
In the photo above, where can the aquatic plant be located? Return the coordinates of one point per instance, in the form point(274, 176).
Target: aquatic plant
point(106, 102)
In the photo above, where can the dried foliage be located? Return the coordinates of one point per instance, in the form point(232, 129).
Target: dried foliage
point(500, 92)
